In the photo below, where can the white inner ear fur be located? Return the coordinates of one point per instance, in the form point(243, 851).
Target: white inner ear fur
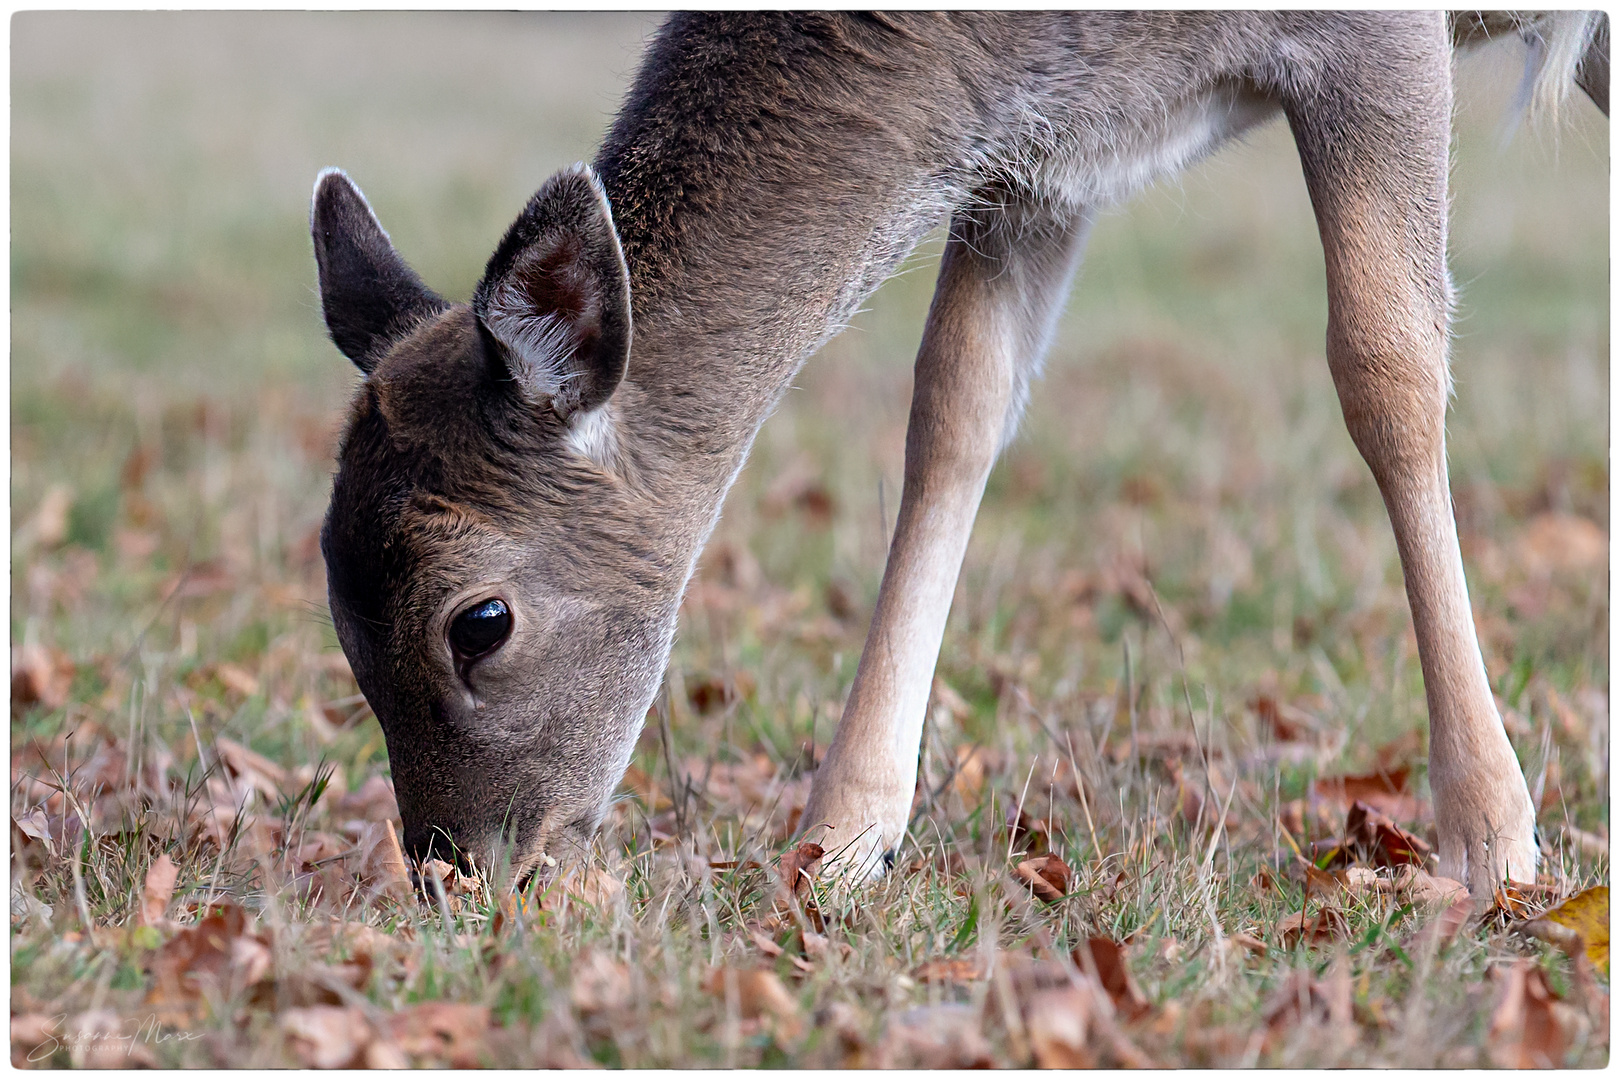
point(593, 434)
point(540, 344)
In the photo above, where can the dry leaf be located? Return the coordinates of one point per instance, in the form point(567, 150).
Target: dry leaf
point(219, 956)
point(758, 992)
point(1108, 964)
point(1058, 1021)
point(1030, 835)
point(1248, 943)
point(158, 890)
point(1284, 722)
point(1304, 999)
point(1443, 928)
point(589, 885)
point(237, 679)
point(934, 1037)
point(1425, 888)
point(1328, 924)
point(1587, 914)
point(250, 768)
point(1521, 899)
point(1388, 792)
point(1046, 875)
point(1381, 841)
point(953, 970)
point(601, 984)
point(442, 1031)
point(371, 801)
point(795, 867)
point(40, 676)
point(381, 866)
point(1531, 1026)
point(326, 1036)
point(1562, 543)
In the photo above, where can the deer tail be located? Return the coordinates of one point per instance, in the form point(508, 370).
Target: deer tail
point(1563, 49)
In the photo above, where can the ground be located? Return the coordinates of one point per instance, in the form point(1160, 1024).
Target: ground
point(1178, 657)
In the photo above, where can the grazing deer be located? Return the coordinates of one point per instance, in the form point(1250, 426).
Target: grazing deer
point(526, 480)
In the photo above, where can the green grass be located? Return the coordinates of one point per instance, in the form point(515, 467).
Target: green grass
point(170, 375)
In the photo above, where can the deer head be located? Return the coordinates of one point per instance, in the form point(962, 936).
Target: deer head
point(494, 580)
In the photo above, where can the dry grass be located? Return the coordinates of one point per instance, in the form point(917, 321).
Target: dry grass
point(1182, 602)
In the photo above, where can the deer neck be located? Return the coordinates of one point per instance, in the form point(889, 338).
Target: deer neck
point(729, 302)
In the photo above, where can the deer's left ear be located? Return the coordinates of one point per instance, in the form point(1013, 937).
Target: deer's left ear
point(556, 295)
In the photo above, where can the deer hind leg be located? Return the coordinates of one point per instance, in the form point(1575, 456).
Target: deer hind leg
point(1001, 285)
point(1375, 157)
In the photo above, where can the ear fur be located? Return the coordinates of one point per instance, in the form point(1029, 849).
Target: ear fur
point(556, 296)
point(368, 294)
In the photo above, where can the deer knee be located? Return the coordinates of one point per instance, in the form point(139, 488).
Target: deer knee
point(1393, 392)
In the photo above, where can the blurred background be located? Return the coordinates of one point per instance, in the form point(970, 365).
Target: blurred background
point(1183, 488)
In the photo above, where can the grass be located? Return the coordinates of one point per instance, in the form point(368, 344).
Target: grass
point(1181, 533)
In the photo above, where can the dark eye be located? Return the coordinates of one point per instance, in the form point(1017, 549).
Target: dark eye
point(480, 628)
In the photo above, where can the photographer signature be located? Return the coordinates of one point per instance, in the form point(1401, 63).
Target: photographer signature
point(146, 1030)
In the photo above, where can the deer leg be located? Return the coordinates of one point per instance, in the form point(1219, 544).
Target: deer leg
point(1001, 284)
point(1375, 155)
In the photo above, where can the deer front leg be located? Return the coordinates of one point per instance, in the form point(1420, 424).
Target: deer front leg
point(1001, 284)
point(1374, 155)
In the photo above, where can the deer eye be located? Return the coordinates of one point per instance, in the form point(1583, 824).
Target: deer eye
point(480, 628)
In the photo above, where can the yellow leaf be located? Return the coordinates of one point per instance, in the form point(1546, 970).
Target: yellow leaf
point(1587, 914)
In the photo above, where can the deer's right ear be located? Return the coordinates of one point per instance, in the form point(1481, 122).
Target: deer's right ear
point(556, 295)
point(368, 294)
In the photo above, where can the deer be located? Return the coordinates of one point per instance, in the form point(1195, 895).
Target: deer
point(526, 480)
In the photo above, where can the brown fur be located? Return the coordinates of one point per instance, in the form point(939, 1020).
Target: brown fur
point(766, 173)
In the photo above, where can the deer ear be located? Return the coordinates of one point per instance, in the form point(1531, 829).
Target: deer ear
point(368, 294)
point(556, 295)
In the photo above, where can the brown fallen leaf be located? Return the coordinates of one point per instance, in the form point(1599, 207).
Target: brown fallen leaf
point(590, 885)
point(216, 958)
point(758, 992)
point(446, 1031)
point(795, 865)
point(35, 1038)
point(1520, 899)
point(1248, 943)
point(1389, 792)
point(1380, 841)
point(1428, 889)
point(952, 970)
point(381, 865)
point(601, 984)
point(1530, 1026)
point(40, 676)
point(1285, 722)
point(1305, 999)
point(326, 1036)
point(158, 890)
point(1442, 930)
point(1587, 914)
point(250, 768)
point(371, 801)
point(1328, 924)
point(1108, 965)
point(1028, 834)
point(934, 1037)
point(1562, 543)
point(1047, 876)
point(1058, 1022)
